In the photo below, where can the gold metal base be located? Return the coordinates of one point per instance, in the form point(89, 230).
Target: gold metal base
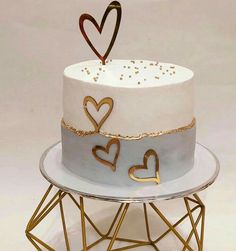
point(112, 234)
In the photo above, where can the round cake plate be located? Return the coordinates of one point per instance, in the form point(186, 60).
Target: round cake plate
point(203, 174)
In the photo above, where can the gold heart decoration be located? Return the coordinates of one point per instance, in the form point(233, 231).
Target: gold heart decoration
point(105, 101)
point(113, 5)
point(133, 169)
point(106, 149)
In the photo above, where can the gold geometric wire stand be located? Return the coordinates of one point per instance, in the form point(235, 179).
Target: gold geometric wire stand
point(112, 234)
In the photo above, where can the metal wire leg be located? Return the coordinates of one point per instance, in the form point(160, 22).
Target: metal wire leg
point(193, 224)
point(83, 224)
point(118, 227)
point(194, 231)
point(64, 225)
point(39, 206)
point(42, 211)
point(40, 214)
point(203, 218)
point(148, 228)
point(171, 227)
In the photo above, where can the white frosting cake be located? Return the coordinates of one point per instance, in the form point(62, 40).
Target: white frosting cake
point(129, 122)
point(149, 97)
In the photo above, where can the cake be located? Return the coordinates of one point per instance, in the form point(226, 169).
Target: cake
point(115, 113)
point(127, 122)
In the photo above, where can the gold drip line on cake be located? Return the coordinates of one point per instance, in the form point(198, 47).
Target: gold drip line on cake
point(83, 133)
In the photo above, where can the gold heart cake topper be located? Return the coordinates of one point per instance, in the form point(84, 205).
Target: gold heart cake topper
point(113, 5)
point(105, 101)
point(133, 169)
point(106, 149)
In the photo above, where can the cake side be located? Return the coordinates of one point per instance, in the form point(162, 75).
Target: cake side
point(93, 157)
point(147, 102)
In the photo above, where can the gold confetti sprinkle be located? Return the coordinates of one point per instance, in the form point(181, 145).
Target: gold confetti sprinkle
point(136, 72)
point(130, 76)
point(172, 67)
point(157, 77)
point(139, 83)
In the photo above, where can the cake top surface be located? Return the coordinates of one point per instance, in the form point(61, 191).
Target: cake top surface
point(128, 73)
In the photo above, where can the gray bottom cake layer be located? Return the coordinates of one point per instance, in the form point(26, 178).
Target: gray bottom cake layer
point(175, 152)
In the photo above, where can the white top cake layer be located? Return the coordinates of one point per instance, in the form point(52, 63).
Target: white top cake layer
point(148, 96)
point(128, 73)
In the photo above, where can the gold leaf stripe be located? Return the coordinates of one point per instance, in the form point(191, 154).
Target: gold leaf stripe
point(83, 133)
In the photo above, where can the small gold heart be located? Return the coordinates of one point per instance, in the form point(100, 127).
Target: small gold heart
point(146, 156)
point(105, 101)
point(106, 149)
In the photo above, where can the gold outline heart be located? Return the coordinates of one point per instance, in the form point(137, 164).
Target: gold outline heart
point(132, 170)
point(113, 5)
point(106, 149)
point(107, 100)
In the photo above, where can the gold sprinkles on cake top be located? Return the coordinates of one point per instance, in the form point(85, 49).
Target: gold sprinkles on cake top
point(131, 70)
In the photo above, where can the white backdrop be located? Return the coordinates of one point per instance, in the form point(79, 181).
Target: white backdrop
point(38, 39)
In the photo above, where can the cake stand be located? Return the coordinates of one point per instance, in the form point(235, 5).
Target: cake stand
point(203, 174)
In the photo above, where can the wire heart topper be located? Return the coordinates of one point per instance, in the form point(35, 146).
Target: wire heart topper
point(113, 5)
point(155, 178)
